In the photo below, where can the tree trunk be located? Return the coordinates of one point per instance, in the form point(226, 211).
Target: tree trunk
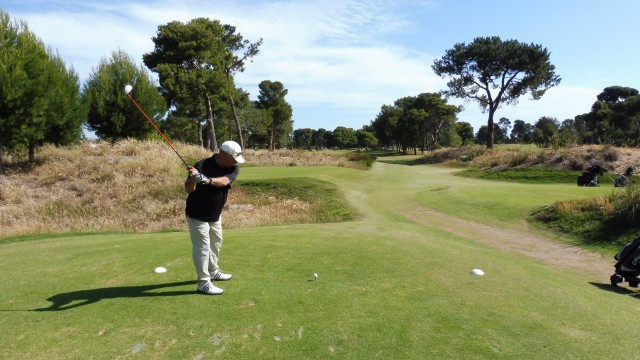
point(32, 153)
point(235, 112)
point(271, 139)
point(1, 147)
point(212, 142)
point(237, 120)
point(490, 127)
point(200, 139)
point(436, 134)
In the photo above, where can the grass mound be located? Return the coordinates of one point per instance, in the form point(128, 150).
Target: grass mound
point(312, 200)
point(606, 221)
point(532, 175)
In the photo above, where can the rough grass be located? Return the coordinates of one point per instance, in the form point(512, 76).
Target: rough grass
point(348, 159)
point(137, 186)
point(616, 160)
point(604, 221)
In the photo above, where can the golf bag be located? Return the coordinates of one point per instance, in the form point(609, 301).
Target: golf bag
point(628, 264)
point(622, 180)
point(589, 177)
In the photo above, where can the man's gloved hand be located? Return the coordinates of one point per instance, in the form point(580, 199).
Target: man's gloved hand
point(202, 179)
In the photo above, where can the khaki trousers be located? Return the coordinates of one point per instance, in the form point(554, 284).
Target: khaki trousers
point(206, 241)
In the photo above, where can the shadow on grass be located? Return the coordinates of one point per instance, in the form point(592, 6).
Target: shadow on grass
point(616, 289)
point(73, 299)
point(411, 161)
point(385, 153)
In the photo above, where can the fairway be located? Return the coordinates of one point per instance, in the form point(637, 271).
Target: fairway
point(395, 284)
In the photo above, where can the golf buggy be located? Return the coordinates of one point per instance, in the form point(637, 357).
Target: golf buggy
point(623, 179)
point(589, 177)
point(627, 265)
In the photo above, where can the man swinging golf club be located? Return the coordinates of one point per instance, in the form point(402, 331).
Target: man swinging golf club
point(208, 183)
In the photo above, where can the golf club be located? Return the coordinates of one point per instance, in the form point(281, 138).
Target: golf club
point(127, 90)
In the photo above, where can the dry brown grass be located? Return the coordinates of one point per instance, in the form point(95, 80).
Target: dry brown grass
point(601, 203)
point(299, 158)
point(616, 160)
point(130, 186)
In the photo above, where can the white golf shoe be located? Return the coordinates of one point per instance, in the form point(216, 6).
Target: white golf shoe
point(209, 289)
point(220, 276)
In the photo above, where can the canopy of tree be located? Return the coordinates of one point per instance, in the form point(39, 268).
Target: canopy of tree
point(196, 62)
point(111, 114)
point(272, 100)
point(494, 72)
point(420, 122)
point(39, 96)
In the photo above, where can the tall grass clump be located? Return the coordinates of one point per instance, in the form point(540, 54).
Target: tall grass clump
point(522, 148)
point(581, 219)
point(453, 156)
point(626, 206)
point(609, 153)
point(365, 159)
point(518, 159)
point(511, 155)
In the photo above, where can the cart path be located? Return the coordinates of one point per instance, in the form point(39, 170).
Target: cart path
point(518, 241)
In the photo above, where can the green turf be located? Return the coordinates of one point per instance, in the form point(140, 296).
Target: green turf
point(533, 175)
point(388, 287)
point(327, 203)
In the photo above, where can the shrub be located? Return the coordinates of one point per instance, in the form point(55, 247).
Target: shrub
point(610, 154)
point(626, 206)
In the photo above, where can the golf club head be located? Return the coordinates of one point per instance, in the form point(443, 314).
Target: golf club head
point(127, 89)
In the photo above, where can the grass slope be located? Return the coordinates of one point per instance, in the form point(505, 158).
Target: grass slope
point(388, 287)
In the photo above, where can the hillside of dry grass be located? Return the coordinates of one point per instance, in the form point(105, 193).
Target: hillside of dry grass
point(615, 160)
point(130, 186)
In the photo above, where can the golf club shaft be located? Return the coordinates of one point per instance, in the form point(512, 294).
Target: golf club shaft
point(158, 130)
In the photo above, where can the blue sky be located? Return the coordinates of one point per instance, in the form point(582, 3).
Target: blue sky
point(341, 60)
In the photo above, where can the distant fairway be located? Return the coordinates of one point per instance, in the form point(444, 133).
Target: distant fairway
point(393, 285)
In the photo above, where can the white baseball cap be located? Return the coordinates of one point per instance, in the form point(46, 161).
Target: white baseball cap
point(233, 148)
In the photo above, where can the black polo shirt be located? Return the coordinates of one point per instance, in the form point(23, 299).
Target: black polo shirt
point(207, 201)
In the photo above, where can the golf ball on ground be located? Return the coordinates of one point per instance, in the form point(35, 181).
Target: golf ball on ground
point(477, 272)
point(159, 270)
point(315, 276)
point(127, 89)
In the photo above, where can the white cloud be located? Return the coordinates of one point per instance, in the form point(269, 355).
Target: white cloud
point(334, 56)
point(347, 77)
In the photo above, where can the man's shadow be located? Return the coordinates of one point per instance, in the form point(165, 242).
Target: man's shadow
point(617, 289)
point(73, 299)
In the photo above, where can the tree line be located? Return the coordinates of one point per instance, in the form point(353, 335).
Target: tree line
point(414, 124)
point(614, 119)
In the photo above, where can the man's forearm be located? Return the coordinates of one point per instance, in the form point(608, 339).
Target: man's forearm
point(220, 181)
point(190, 184)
